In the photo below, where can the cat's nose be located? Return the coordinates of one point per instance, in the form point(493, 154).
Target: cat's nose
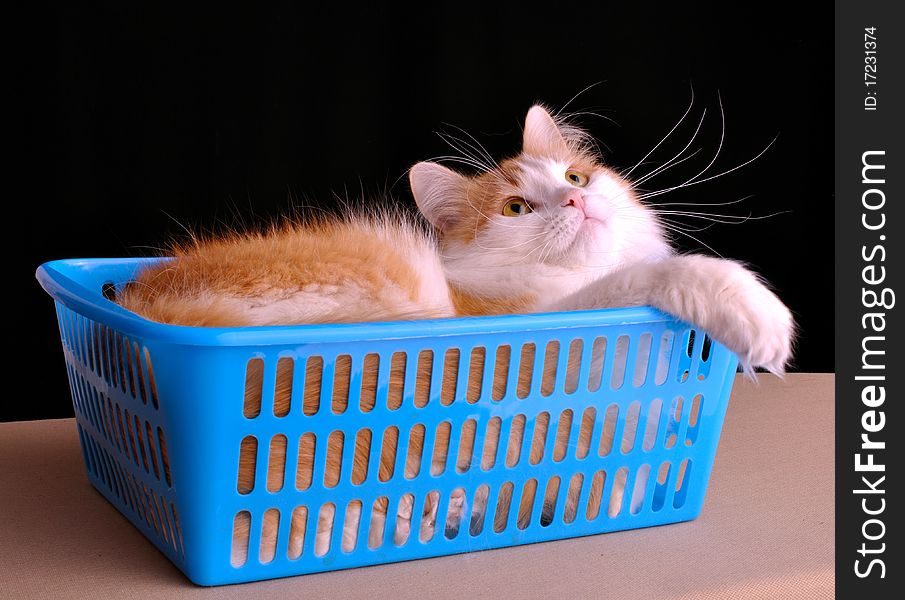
point(574, 198)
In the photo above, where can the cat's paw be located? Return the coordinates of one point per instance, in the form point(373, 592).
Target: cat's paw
point(739, 311)
point(403, 520)
point(401, 530)
point(456, 510)
point(429, 516)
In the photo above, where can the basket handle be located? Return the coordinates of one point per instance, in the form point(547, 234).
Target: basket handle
point(85, 296)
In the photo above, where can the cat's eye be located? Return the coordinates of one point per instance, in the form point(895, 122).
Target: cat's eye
point(576, 178)
point(516, 207)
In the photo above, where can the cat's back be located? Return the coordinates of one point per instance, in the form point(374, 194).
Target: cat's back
point(329, 271)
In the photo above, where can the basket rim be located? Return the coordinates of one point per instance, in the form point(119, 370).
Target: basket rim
point(56, 278)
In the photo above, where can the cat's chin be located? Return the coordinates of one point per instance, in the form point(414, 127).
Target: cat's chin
point(592, 235)
point(591, 239)
point(591, 222)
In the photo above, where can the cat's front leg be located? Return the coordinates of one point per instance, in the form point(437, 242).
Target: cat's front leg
point(721, 296)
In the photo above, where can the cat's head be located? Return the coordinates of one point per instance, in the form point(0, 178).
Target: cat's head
point(552, 209)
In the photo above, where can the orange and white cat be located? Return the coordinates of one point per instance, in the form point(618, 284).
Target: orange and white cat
point(550, 229)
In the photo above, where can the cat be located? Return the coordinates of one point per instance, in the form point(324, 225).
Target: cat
point(551, 229)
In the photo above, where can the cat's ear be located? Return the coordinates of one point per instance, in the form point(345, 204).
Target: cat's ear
point(542, 136)
point(439, 193)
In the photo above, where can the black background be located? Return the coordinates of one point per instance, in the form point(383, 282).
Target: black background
point(140, 121)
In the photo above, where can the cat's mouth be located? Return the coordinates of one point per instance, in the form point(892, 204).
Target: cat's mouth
point(593, 221)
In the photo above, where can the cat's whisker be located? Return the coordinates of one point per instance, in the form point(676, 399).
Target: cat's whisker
point(674, 161)
point(688, 235)
point(578, 136)
point(400, 178)
point(458, 159)
point(658, 171)
point(668, 163)
point(730, 219)
point(523, 243)
point(669, 224)
point(742, 199)
point(712, 177)
point(463, 147)
point(477, 146)
point(719, 147)
point(589, 113)
point(652, 150)
point(477, 161)
point(542, 249)
point(470, 162)
point(712, 216)
point(465, 157)
point(547, 251)
point(686, 227)
point(575, 97)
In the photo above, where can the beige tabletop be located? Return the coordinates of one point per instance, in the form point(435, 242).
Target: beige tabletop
point(766, 530)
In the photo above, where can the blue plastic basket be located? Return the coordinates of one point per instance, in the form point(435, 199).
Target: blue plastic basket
point(161, 413)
